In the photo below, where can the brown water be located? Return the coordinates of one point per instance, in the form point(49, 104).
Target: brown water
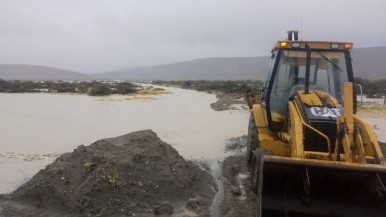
point(34, 125)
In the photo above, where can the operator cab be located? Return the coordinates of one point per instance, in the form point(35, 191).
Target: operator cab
point(329, 66)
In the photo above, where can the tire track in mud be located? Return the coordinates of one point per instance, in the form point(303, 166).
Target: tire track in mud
point(239, 200)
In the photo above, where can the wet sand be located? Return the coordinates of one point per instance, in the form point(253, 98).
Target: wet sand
point(374, 112)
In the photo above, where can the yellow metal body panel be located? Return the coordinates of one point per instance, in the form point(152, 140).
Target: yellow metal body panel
point(326, 163)
point(346, 143)
point(317, 98)
point(354, 138)
point(258, 115)
point(313, 44)
point(327, 98)
point(370, 142)
point(310, 99)
point(295, 130)
point(268, 139)
point(357, 138)
point(325, 156)
point(360, 146)
point(277, 117)
point(348, 108)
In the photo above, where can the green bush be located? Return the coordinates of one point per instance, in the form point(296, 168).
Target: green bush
point(99, 90)
point(383, 147)
point(372, 88)
point(124, 88)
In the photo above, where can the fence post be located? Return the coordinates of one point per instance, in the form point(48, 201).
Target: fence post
point(384, 93)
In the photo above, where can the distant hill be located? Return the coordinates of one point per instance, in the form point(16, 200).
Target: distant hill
point(217, 68)
point(369, 63)
point(32, 72)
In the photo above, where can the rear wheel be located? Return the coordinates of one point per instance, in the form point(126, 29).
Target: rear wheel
point(252, 143)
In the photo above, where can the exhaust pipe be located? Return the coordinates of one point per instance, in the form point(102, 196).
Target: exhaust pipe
point(293, 35)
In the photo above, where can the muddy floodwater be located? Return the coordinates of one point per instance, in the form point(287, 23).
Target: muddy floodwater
point(36, 128)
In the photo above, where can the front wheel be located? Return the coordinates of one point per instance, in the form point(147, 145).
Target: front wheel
point(256, 167)
point(252, 142)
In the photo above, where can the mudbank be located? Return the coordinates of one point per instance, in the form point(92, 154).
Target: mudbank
point(136, 174)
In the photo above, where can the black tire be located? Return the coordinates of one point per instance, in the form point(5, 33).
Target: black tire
point(252, 142)
point(256, 166)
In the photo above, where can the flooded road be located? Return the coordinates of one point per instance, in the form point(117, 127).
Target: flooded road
point(36, 127)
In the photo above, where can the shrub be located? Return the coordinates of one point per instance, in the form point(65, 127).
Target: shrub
point(99, 90)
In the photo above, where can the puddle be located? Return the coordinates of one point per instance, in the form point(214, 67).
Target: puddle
point(216, 171)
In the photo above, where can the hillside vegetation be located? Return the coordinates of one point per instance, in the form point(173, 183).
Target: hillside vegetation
point(93, 88)
point(372, 89)
point(227, 87)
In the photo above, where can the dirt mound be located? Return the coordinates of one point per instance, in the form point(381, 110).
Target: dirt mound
point(129, 175)
point(225, 101)
point(236, 144)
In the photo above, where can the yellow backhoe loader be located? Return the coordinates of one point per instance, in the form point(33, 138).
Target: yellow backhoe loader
point(308, 152)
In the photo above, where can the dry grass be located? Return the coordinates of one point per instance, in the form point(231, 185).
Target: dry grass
point(153, 92)
point(145, 98)
point(108, 100)
point(373, 109)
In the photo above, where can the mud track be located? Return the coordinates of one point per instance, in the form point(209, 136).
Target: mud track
point(239, 200)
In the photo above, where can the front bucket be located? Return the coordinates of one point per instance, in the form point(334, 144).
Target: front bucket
point(302, 187)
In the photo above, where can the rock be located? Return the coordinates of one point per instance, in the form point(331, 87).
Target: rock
point(197, 208)
point(194, 204)
point(236, 190)
point(224, 101)
point(236, 144)
point(164, 208)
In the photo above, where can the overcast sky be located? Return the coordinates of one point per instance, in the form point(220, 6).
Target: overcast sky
point(102, 35)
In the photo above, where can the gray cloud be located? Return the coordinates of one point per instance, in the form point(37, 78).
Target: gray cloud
point(95, 36)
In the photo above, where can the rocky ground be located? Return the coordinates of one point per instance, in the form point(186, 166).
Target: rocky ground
point(239, 200)
point(228, 102)
point(132, 175)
